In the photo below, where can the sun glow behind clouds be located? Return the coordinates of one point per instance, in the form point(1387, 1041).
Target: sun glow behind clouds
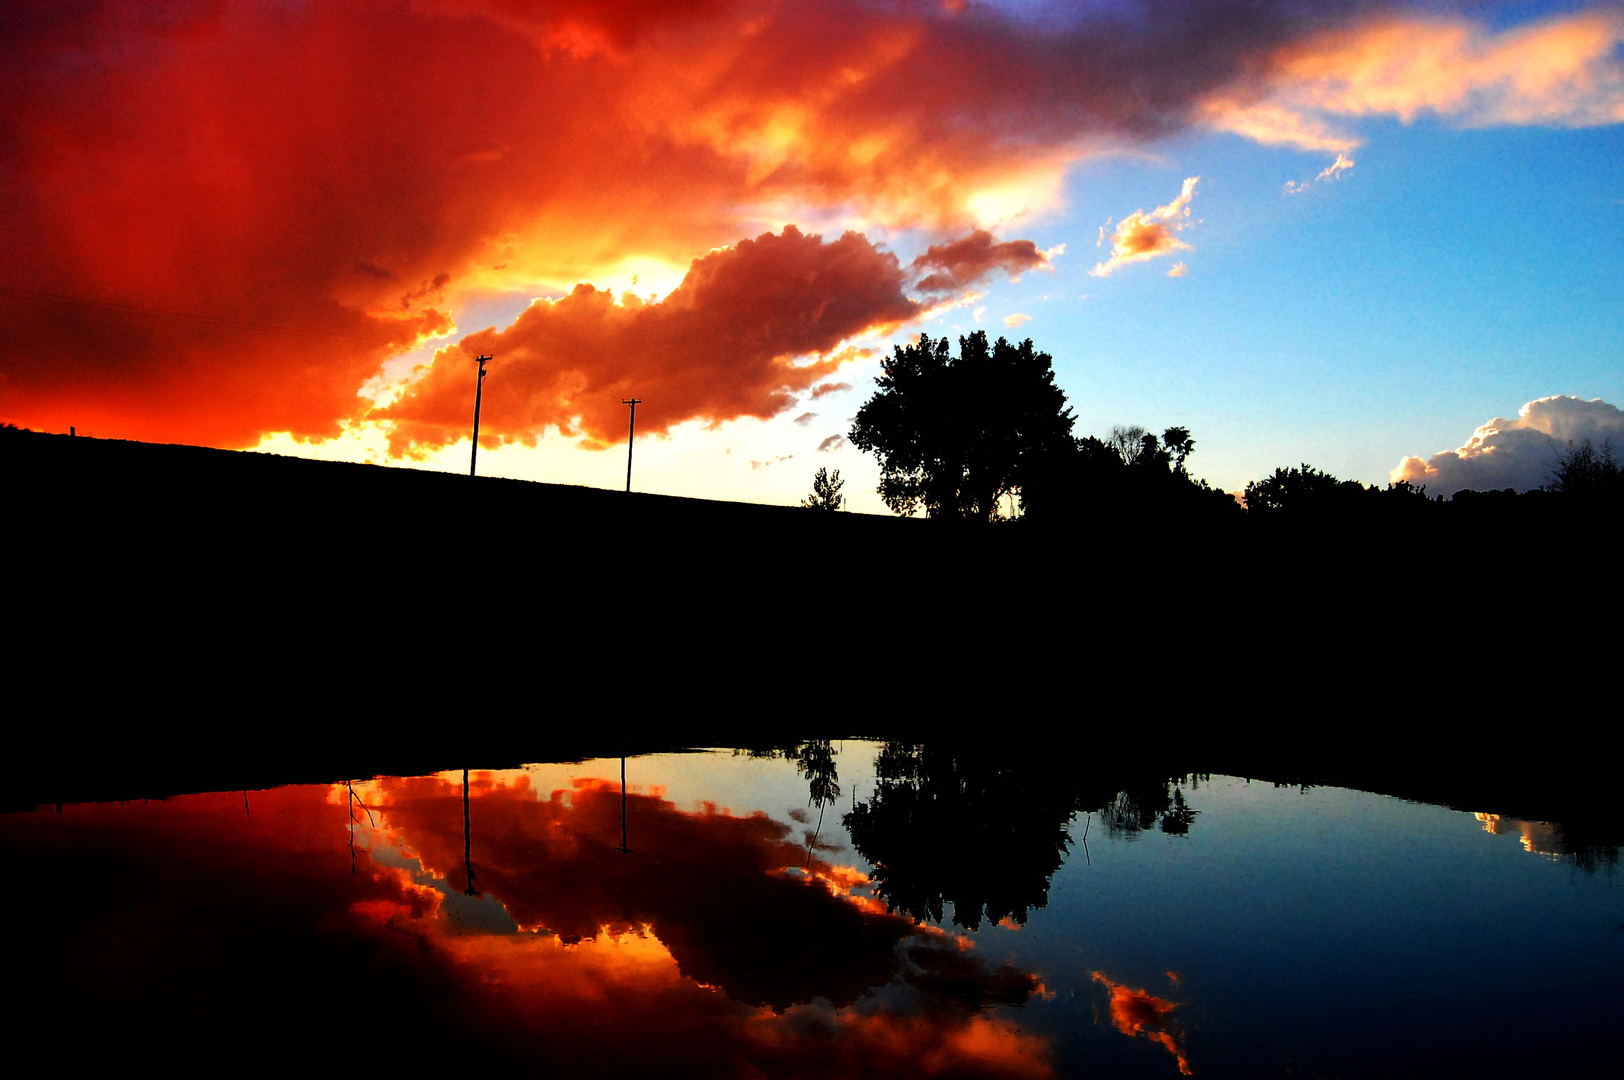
point(1036, 192)
point(648, 277)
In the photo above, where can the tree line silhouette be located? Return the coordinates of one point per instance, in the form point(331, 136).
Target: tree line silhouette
point(986, 436)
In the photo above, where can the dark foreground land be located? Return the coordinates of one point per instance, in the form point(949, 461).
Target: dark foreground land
point(174, 603)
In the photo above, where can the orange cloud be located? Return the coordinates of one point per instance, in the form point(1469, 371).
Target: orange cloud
point(223, 220)
point(727, 342)
point(1141, 236)
point(1273, 124)
point(964, 262)
point(1564, 71)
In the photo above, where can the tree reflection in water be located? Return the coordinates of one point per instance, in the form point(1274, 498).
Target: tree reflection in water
point(985, 832)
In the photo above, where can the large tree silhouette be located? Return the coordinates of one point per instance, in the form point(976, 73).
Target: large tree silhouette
point(956, 434)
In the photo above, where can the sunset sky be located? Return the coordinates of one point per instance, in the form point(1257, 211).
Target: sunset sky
point(1345, 234)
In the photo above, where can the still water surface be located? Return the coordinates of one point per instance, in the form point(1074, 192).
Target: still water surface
point(856, 910)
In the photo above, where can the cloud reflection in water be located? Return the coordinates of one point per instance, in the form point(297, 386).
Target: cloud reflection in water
point(189, 930)
point(1139, 1012)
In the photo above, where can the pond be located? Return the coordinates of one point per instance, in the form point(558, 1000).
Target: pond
point(821, 909)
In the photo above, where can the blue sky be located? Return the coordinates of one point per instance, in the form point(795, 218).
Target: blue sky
point(1448, 278)
point(196, 207)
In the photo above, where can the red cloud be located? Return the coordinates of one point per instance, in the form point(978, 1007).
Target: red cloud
point(966, 261)
point(222, 218)
point(725, 343)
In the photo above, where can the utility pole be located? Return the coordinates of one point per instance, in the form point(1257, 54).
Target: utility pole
point(631, 433)
point(479, 392)
point(623, 849)
point(467, 838)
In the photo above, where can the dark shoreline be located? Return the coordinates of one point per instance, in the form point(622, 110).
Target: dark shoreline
point(174, 767)
point(287, 620)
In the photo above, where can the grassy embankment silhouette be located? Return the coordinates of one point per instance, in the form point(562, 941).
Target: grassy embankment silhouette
point(185, 604)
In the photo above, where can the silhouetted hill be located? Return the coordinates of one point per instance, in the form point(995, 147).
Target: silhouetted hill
point(180, 603)
point(349, 600)
point(88, 484)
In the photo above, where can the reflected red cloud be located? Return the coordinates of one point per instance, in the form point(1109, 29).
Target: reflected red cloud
point(222, 218)
point(617, 1004)
point(723, 344)
point(190, 932)
point(725, 894)
point(1539, 837)
point(1138, 1012)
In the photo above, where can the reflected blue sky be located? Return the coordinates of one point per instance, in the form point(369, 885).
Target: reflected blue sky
point(1332, 931)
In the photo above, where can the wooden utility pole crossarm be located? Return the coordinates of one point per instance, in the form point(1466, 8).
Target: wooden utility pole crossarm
point(631, 433)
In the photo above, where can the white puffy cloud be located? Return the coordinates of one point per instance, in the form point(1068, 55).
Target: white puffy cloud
point(1516, 453)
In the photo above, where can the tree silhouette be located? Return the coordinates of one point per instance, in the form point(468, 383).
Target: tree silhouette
point(1307, 491)
point(1131, 443)
point(1586, 472)
point(1129, 473)
point(1179, 446)
point(826, 491)
point(1301, 489)
point(955, 435)
point(1140, 449)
